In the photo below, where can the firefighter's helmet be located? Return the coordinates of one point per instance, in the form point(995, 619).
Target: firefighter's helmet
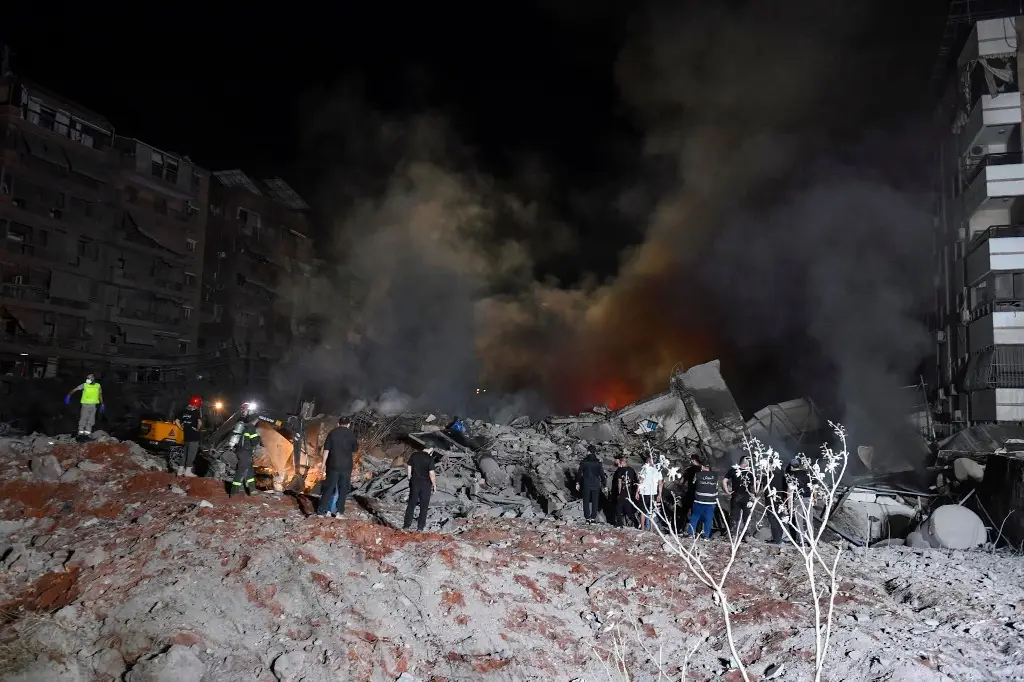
point(195, 401)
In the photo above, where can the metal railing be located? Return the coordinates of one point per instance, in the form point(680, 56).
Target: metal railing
point(967, 178)
point(994, 232)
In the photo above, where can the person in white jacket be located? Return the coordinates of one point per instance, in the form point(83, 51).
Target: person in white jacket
point(648, 493)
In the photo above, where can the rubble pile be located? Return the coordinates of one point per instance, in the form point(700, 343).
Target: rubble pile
point(526, 470)
point(120, 572)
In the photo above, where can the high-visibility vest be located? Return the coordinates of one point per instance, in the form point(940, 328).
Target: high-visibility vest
point(90, 394)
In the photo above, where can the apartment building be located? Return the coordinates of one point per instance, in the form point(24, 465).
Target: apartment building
point(101, 245)
point(979, 326)
point(259, 261)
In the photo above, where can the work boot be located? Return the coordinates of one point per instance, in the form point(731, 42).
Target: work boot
point(250, 490)
point(189, 473)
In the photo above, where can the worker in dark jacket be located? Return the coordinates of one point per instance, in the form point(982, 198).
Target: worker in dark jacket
point(590, 481)
point(624, 482)
point(705, 501)
point(245, 476)
point(422, 482)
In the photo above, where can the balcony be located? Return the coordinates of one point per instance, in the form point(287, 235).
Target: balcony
point(999, 248)
point(1001, 327)
point(991, 120)
point(993, 183)
point(28, 294)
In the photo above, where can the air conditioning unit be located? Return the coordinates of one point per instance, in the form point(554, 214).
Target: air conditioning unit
point(940, 336)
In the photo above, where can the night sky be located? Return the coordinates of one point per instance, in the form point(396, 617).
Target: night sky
point(530, 88)
point(520, 80)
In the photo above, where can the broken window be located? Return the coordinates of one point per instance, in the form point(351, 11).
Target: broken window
point(171, 171)
point(979, 295)
point(1003, 286)
point(157, 167)
point(88, 250)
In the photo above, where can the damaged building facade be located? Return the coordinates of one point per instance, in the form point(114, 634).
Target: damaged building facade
point(259, 241)
point(979, 330)
point(101, 248)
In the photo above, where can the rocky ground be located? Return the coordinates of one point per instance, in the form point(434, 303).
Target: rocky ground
point(110, 570)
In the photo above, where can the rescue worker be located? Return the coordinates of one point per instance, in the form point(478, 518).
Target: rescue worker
point(739, 484)
point(705, 500)
point(245, 476)
point(778, 500)
point(590, 481)
point(340, 445)
point(92, 396)
point(190, 421)
point(624, 482)
point(422, 482)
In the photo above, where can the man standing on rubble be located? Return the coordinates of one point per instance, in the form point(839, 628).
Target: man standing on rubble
point(190, 422)
point(422, 482)
point(92, 398)
point(339, 447)
point(649, 492)
point(245, 476)
point(624, 482)
point(590, 481)
point(690, 483)
point(802, 498)
point(705, 501)
point(738, 483)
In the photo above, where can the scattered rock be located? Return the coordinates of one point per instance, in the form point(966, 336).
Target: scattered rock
point(629, 583)
point(287, 667)
point(176, 490)
point(90, 466)
point(109, 663)
point(205, 505)
point(177, 664)
point(46, 467)
point(70, 476)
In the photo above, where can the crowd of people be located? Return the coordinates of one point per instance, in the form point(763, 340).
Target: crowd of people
point(635, 499)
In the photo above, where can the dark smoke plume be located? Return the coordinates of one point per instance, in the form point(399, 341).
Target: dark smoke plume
point(759, 240)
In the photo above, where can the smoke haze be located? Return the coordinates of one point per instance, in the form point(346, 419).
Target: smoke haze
point(752, 234)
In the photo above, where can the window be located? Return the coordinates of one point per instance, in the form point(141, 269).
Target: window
point(190, 244)
point(218, 311)
point(160, 205)
point(183, 347)
point(171, 171)
point(131, 194)
point(190, 279)
point(42, 236)
point(157, 167)
point(1003, 286)
point(242, 215)
point(240, 279)
point(186, 312)
point(88, 250)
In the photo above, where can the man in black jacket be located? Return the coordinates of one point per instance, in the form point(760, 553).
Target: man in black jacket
point(624, 482)
point(739, 483)
point(422, 482)
point(590, 481)
point(341, 443)
point(705, 501)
